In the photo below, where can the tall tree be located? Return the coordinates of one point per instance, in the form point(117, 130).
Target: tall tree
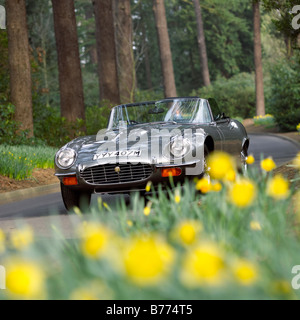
point(126, 68)
point(19, 63)
point(201, 43)
point(70, 78)
point(165, 48)
point(107, 63)
point(259, 84)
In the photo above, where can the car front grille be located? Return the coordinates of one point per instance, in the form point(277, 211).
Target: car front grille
point(108, 173)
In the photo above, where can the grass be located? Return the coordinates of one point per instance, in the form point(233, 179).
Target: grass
point(189, 245)
point(18, 162)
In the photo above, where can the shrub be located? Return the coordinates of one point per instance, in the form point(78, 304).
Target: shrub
point(235, 96)
point(285, 99)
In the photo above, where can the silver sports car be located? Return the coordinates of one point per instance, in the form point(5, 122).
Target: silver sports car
point(147, 141)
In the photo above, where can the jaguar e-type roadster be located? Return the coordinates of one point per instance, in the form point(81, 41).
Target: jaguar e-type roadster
point(147, 141)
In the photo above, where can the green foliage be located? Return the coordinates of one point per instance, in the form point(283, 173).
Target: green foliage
point(53, 129)
point(97, 117)
point(18, 162)
point(284, 102)
point(148, 95)
point(9, 128)
point(235, 96)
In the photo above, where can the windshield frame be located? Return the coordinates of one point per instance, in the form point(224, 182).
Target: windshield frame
point(111, 126)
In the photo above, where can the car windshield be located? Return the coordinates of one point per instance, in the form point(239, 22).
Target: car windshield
point(189, 110)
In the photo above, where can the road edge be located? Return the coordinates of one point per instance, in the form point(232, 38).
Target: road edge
point(28, 193)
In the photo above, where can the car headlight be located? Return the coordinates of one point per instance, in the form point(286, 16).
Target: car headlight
point(65, 158)
point(179, 146)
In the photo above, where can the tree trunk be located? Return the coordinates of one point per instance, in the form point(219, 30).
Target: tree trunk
point(201, 43)
point(259, 85)
point(92, 49)
point(70, 78)
point(107, 63)
point(19, 63)
point(165, 49)
point(126, 67)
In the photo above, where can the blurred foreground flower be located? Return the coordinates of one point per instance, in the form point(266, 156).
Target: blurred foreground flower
point(147, 259)
point(242, 193)
point(147, 209)
point(255, 225)
point(220, 164)
point(278, 187)
point(2, 241)
point(94, 239)
point(187, 232)
point(268, 164)
point(204, 265)
point(203, 185)
point(22, 238)
point(245, 272)
point(25, 279)
point(250, 159)
point(94, 290)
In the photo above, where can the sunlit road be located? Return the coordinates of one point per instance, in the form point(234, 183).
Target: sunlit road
point(41, 212)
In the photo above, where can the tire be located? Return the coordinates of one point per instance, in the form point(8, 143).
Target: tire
point(73, 198)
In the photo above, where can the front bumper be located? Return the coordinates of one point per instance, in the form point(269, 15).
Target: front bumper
point(139, 185)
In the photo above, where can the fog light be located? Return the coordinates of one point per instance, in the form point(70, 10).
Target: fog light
point(173, 172)
point(70, 181)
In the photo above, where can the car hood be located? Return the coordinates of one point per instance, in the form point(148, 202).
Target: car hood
point(137, 137)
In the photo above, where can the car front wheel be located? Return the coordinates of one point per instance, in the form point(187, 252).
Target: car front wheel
point(74, 198)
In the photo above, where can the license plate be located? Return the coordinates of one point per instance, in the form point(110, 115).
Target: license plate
point(124, 153)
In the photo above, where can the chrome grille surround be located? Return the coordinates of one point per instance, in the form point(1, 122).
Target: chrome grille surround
point(116, 173)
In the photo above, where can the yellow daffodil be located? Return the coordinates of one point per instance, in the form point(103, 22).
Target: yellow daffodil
point(250, 159)
point(268, 164)
point(94, 239)
point(187, 232)
point(204, 265)
point(147, 209)
point(25, 279)
point(255, 225)
point(245, 272)
point(94, 290)
point(148, 186)
point(278, 187)
point(177, 197)
point(147, 259)
point(282, 287)
point(203, 185)
point(219, 164)
point(22, 238)
point(230, 176)
point(216, 186)
point(242, 193)
point(2, 241)
point(129, 223)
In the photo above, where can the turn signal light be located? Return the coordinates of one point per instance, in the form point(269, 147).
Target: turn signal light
point(171, 172)
point(70, 181)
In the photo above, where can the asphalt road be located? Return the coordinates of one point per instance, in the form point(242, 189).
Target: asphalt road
point(44, 211)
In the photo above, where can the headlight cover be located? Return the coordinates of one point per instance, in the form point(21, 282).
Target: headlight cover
point(179, 146)
point(65, 158)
